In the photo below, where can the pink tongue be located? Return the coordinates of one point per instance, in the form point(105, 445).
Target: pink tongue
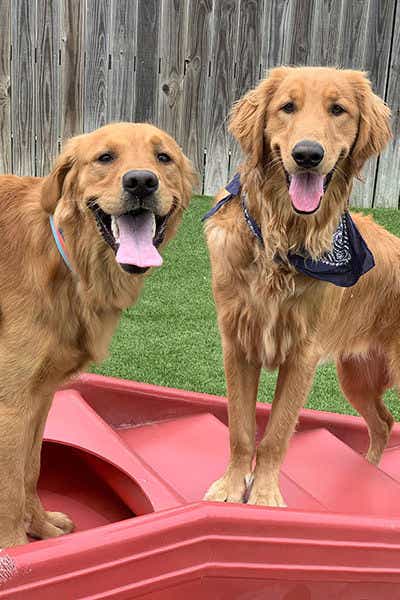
point(306, 191)
point(136, 241)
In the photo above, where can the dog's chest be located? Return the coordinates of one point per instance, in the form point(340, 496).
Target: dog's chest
point(271, 316)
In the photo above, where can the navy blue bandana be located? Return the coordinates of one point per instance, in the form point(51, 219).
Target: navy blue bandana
point(343, 266)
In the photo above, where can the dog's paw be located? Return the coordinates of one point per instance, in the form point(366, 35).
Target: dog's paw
point(50, 524)
point(230, 488)
point(266, 495)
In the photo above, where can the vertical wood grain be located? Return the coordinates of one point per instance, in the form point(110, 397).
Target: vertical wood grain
point(147, 60)
point(350, 54)
point(23, 33)
point(47, 85)
point(248, 62)
point(196, 80)
point(275, 31)
point(98, 25)
point(5, 87)
point(121, 96)
point(72, 68)
point(325, 32)
point(221, 93)
point(172, 66)
point(387, 188)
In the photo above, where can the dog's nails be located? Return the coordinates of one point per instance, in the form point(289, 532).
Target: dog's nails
point(249, 480)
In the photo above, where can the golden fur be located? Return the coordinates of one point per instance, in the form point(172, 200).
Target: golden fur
point(271, 316)
point(53, 323)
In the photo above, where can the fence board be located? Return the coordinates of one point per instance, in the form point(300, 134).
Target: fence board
point(121, 100)
point(22, 81)
point(325, 34)
point(97, 59)
point(350, 54)
point(72, 36)
point(248, 61)
point(5, 88)
point(147, 60)
point(387, 189)
point(198, 43)
point(172, 65)
point(275, 21)
point(68, 66)
point(46, 90)
point(220, 95)
point(298, 36)
point(376, 61)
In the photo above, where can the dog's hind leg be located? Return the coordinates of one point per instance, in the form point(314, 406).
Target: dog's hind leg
point(363, 380)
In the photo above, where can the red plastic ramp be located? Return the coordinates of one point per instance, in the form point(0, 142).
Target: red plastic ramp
point(153, 450)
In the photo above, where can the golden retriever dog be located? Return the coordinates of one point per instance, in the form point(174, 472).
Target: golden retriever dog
point(305, 134)
point(114, 198)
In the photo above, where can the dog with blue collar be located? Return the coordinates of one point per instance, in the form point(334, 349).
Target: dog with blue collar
point(297, 278)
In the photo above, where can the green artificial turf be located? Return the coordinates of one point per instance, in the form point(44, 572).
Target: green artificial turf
point(170, 336)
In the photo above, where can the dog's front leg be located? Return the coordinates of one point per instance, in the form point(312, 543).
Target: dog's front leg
point(40, 523)
point(242, 384)
point(293, 385)
point(13, 429)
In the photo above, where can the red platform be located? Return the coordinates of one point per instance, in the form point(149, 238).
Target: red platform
point(130, 463)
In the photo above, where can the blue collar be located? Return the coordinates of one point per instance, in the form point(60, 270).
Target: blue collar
point(60, 243)
point(349, 259)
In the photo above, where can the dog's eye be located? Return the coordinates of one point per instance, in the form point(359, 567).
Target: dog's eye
point(288, 108)
point(106, 157)
point(336, 109)
point(163, 157)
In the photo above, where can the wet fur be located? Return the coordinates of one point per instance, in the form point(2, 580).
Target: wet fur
point(272, 317)
point(53, 323)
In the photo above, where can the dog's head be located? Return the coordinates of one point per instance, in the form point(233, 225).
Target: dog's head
point(310, 124)
point(131, 180)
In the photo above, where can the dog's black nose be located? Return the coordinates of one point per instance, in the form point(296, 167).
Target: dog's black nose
point(308, 154)
point(140, 183)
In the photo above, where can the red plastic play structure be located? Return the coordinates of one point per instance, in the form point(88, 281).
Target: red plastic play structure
point(130, 463)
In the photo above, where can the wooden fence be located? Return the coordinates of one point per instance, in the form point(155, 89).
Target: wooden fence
point(69, 66)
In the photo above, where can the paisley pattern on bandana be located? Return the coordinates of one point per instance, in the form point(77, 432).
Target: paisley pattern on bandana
point(340, 254)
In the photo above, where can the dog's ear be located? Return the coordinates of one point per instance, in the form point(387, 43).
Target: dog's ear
point(374, 124)
point(190, 179)
point(53, 184)
point(248, 117)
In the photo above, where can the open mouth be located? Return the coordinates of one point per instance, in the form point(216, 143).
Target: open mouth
point(306, 190)
point(134, 236)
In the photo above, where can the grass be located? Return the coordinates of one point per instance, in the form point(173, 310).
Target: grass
point(171, 338)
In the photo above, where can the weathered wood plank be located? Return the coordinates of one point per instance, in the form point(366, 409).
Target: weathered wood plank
point(22, 84)
point(97, 63)
point(325, 32)
point(147, 60)
point(47, 85)
point(297, 40)
point(211, 52)
point(5, 88)
point(72, 45)
point(376, 61)
point(173, 27)
point(247, 62)
point(221, 91)
point(121, 97)
point(350, 54)
point(387, 188)
point(275, 30)
point(194, 116)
